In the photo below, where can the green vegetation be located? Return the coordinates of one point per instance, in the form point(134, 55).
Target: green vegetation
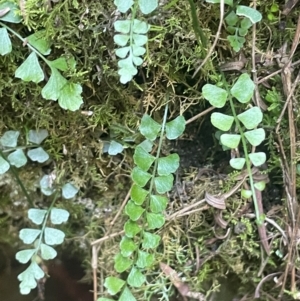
point(152, 177)
point(242, 90)
point(12, 156)
point(43, 240)
point(131, 31)
point(57, 87)
point(165, 202)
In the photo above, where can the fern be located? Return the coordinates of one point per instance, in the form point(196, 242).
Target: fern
point(152, 177)
point(58, 88)
point(238, 27)
point(246, 124)
point(131, 36)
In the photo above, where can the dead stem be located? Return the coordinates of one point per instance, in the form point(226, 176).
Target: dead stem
point(290, 169)
point(215, 41)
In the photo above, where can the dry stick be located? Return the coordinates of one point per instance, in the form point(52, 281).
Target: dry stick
point(216, 39)
point(205, 207)
point(290, 170)
point(199, 115)
point(270, 276)
point(287, 70)
point(94, 265)
point(291, 193)
point(275, 73)
point(289, 89)
point(291, 113)
point(273, 223)
point(106, 237)
point(295, 40)
point(257, 98)
point(120, 209)
point(289, 5)
point(226, 195)
point(289, 96)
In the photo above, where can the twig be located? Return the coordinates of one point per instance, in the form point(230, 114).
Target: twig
point(291, 193)
point(257, 99)
point(96, 242)
point(226, 195)
point(199, 115)
point(205, 207)
point(178, 213)
point(257, 294)
point(121, 208)
point(288, 100)
point(276, 72)
point(273, 223)
point(289, 5)
point(216, 39)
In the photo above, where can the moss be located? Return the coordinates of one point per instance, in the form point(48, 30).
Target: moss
point(84, 31)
